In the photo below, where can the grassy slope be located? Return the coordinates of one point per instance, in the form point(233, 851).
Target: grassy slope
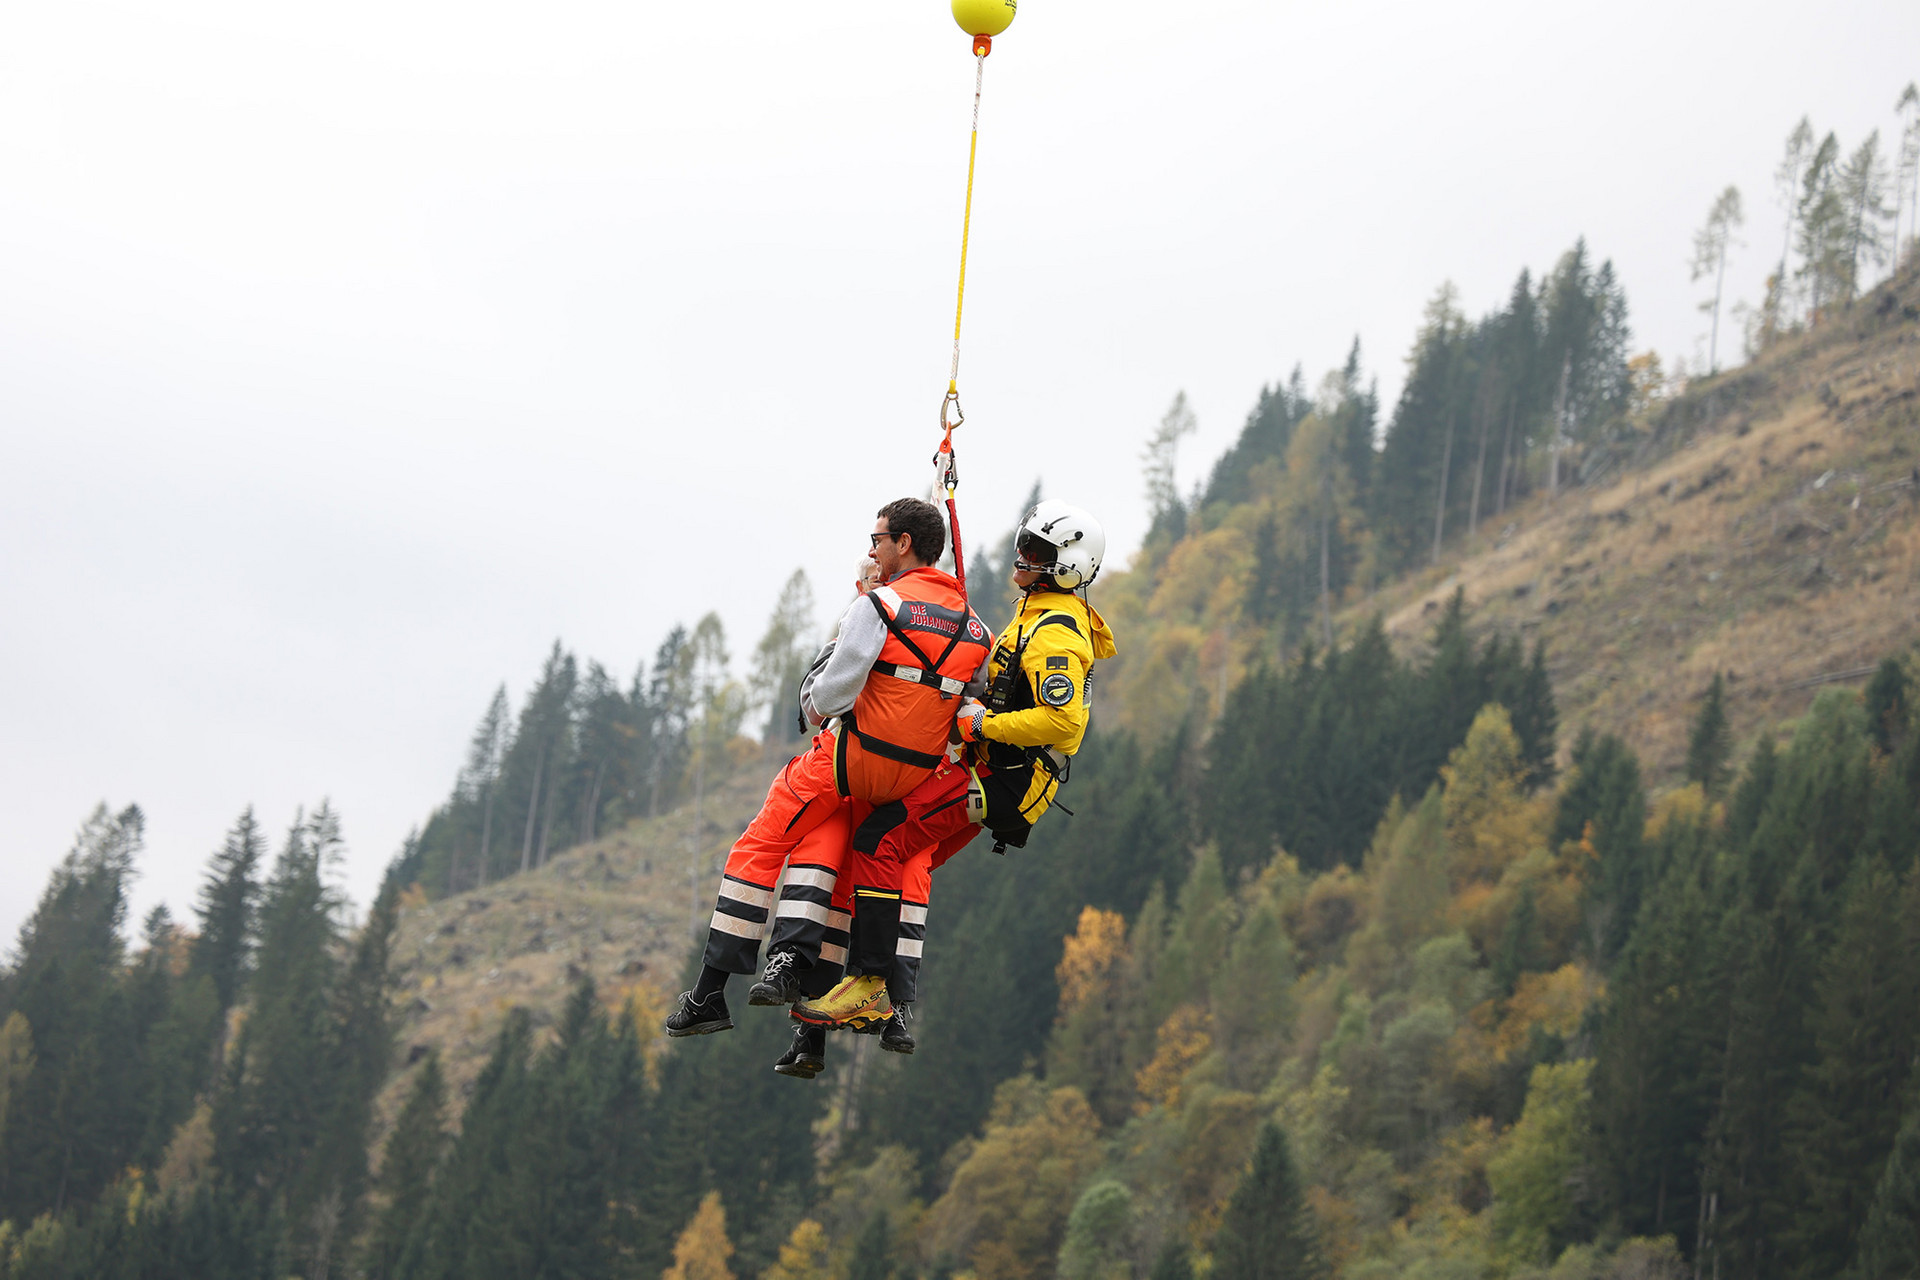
point(1780, 544)
point(621, 909)
point(1727, 552)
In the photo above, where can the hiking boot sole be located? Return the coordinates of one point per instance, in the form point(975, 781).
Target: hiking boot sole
point(898, 1044)
point(767, 993)
point(856, 1022)
point(701, 1028)
point(805, 1068)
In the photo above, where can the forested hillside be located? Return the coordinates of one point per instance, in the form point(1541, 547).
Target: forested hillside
point(1495, 857)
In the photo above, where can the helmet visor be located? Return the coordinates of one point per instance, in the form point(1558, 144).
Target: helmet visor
point(1035, 550)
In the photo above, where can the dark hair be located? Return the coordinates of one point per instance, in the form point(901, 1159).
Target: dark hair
point(919, 520)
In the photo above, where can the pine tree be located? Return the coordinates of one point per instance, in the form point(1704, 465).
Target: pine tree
point(781, 658)
point(1604, 801)
point(1267, 1231)
point(1536, 720)
point(228, 896)
point(1710, 245)
point(77, 1116)
point(1821, 217)
point(1175, 1261)
point(873, 1251)
point(1756, 787)
point(1887, 711)
point(1863, 193)
point(1865, 1020)
point(1711, 743)
point(1890, 1239)
point(281, 1099)
point(359, 1048)
point(407, 1169)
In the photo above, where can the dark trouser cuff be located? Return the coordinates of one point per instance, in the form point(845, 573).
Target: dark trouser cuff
point(876, 932)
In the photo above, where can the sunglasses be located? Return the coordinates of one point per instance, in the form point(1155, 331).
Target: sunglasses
point(873, 539)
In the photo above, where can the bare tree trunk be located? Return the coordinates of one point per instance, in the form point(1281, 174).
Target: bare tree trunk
point(1713, 342)
point(1479, 466)
point(592, 817)
point(533, 811)
point(1506, 454)
point(486, 832)
point(1326, 578)
point(546, 817)
point(693, 858)
point(1559, 426)
point(1440, 508)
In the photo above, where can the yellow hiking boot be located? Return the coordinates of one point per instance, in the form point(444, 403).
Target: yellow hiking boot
point(855, 1003)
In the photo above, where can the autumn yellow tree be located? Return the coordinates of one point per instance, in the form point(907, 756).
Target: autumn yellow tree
point(803, 1256)
point(1005, 1212)
point(702, 1250)
point(1088, 1049)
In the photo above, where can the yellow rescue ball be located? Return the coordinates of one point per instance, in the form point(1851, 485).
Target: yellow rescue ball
point(984, 17)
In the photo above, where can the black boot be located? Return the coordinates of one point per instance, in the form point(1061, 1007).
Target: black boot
point(691, 1017)
point(894, 1036)
point(806, 1057)
point(780, 984)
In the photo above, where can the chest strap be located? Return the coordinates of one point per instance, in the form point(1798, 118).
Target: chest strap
point(947, 685)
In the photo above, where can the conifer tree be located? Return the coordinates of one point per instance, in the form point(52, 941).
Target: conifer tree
point(1604, 801)
point(480, 780)
point(1536, 720)
point(76, 1117)
point(1890, 1238)
point(1710, 245)
point(228, 896)
point(1267, 1231)
point(780, 659)
point(280, 1104)
point(358, 1049)
point(873, 1251)
point(1887, 712)
point(412, 1155)
point(1756, 787)
point(1711, 742)
point(1865, 1019)
point(1175, 1261)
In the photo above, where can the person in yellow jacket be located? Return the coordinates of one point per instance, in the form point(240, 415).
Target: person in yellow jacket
point(1019, 736)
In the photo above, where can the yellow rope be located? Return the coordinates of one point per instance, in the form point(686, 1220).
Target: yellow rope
point(966, 223)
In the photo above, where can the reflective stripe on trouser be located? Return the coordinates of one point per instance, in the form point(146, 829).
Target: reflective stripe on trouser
point(926, 819)
point(812, 915)
point(916, 891)
point(800, 800)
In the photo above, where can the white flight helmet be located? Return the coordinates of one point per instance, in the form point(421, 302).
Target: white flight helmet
point(1062, 541)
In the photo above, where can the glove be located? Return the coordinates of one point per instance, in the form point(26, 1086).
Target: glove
point(970, 720)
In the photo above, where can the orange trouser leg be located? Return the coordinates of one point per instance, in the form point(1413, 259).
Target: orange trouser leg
point(883, 845)
point(813, 913)
point(800, 799)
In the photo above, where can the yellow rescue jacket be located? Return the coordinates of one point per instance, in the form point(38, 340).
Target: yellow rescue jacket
point(1040, 695)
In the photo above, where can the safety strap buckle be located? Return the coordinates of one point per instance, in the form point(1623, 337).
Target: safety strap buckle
point(947, 685)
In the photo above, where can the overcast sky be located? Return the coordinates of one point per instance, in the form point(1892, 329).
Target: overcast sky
point(352, 353)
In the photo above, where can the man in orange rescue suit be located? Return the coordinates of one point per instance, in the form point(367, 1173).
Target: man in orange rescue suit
point(1021, 741)
point(905, 652)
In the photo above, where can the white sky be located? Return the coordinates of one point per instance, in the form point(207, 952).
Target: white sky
point(351, 353)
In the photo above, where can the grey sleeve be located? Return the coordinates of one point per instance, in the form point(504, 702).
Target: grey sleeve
point(977, 687)
point(807, 714)
point(862, 636)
